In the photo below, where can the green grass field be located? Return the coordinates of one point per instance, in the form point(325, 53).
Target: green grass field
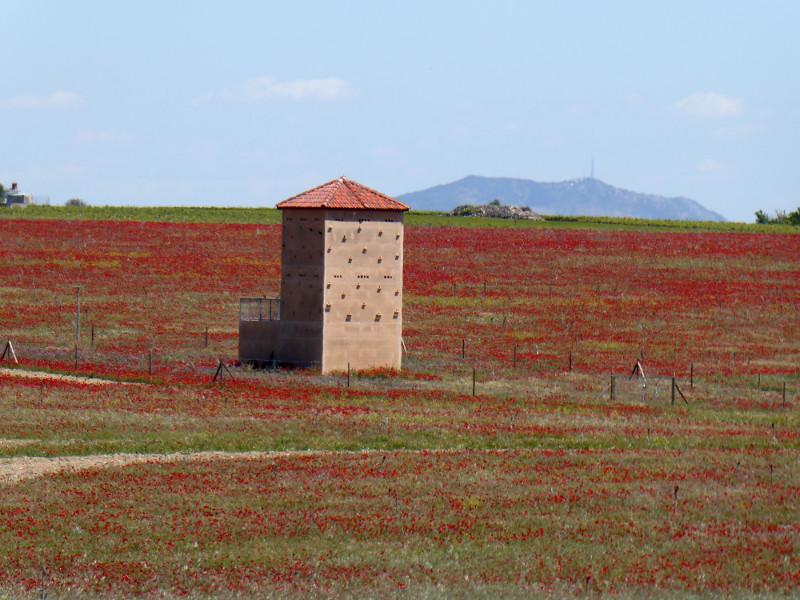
point(413, 219)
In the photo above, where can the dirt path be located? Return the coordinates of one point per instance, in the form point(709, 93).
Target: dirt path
point(13, 470)
point(56, 377)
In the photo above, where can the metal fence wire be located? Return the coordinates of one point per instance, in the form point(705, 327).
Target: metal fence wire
point(643, 389)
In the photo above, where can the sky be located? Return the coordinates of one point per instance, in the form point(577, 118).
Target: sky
point(247, 103)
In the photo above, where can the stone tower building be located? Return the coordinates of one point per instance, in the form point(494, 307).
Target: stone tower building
point(341, 284)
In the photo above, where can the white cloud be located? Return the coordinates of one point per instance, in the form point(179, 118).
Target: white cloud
point(329, 89)
point(710, 106)
point(711, 166)
point(633, 98)
point(737, 133)
point(103, 138)
point(57, 100)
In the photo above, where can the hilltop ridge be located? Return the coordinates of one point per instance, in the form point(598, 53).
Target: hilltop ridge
point(576, 197)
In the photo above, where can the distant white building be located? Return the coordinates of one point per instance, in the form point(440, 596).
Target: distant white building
point(15, 198)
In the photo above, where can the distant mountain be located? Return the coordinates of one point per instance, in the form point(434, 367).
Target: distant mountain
point(577, 197)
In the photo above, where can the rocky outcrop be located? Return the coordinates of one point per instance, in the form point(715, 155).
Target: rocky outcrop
point(495, 211)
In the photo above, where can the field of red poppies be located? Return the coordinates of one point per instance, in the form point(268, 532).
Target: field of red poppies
point(530, 480)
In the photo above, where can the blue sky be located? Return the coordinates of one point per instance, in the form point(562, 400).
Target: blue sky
point(246, 103)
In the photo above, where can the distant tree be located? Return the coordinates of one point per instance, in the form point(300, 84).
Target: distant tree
point(780, 218)
point(75, 202)
point(494, 202)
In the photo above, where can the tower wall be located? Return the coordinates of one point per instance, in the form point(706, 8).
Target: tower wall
point(302, 276)
point(363, 295)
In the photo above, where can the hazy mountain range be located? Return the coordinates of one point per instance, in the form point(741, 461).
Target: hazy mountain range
point(586, 197)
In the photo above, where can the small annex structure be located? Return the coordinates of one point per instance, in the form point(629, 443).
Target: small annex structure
point(341, 302)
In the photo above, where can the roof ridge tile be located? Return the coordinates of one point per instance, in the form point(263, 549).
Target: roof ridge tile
point(343, 193)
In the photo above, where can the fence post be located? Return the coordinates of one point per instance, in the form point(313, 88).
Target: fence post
point(570, 361)
point(8, 352)
point(206, 337)
point(76, 357)
point(515, 357)
point(673, 391)
point(77, 314)
point(150, 363)
point(691, 376)
point(784, 394)
point(473, 382)
point(612, 388)
point(463, 348)
point(348, 375)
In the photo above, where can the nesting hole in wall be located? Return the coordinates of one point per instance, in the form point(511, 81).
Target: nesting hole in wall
point(363, 305)
point(379, 289)
point(364, 251)
point(328, 307)
point(397, 292)
point(380, 260)
point(377, 317)
point(344, 238)
point(349, 259)
point(380, 232)
point(348, 318)
point(396, 314)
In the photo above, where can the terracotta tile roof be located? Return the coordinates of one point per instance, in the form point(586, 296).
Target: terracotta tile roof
point(343, 193)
